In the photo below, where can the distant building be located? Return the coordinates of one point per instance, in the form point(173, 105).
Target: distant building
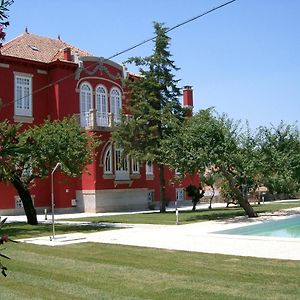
point(44, 78)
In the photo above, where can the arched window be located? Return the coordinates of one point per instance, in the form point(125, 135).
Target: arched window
point(107, 161)
point(135, 166)
point(149, 167)
point(121, 165)
point(86, 103)
point(115, 103)
point(101, 106)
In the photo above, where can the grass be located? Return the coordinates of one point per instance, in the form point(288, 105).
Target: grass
point(100, 271)
point(186, 217)
point(22, 230)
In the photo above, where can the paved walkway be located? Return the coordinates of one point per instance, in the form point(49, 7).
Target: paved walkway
point(197, 237)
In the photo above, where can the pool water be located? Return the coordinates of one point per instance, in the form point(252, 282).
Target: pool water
point(289, 228)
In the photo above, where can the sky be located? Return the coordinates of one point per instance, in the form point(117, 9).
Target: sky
point(243, 59)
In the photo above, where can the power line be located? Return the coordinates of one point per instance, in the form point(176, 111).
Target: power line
point(122, 52)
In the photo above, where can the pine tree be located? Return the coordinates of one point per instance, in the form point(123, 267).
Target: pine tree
point(153, 105)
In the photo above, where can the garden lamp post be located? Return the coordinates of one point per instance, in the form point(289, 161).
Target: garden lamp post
point(52, 198)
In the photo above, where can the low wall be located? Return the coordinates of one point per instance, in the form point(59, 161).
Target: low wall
point(112, 200)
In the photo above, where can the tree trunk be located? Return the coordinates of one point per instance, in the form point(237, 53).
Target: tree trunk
point(212, 197)
point(26, 200)
point(194, 206)
point(243, 201)
point(162, 189)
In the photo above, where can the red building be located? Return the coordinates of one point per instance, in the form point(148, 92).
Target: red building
point(47, 78)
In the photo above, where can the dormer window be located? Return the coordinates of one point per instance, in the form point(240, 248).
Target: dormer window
point(34, 48)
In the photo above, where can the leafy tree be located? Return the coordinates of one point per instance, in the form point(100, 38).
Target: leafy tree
point(32, 154)
point(280, 154)
point(154, 107)
point(211, 141)
point(4, 4)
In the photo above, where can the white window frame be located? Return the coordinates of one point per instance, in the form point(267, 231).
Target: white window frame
point(180, 194)
point(149, 167)
point(23, 94)
point(135, 166)
point(115, 97)
point(107, 161)
point(101, 99)
point(86, 103)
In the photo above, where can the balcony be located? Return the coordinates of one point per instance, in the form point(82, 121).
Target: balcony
point(95, 120)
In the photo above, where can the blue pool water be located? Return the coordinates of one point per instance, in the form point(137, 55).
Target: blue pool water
point(289, 227)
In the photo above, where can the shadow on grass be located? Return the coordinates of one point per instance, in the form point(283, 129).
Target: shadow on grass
point(22, 230)
point(214, 214)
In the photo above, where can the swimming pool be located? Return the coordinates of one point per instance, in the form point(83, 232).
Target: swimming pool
point(288, 228)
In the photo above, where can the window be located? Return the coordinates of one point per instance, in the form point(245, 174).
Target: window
point(115, 104)
point(121, 165)
point(23, 95)
point(149, 168)
point(150, 196)
point(108, 161)
point(121, 162)
point(135, 166)
point(101, 106)
point(86, 103)
point(179, 194)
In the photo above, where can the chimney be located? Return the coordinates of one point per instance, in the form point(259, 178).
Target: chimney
point(188, 104)
point(67, 54)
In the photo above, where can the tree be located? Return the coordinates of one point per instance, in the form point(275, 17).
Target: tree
point(196, 192)
point(33, 153)
point(280, 154)
point(4, 4)
point(207, 141)
point(154, 107)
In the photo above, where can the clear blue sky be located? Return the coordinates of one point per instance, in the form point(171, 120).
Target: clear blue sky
point(243, 59)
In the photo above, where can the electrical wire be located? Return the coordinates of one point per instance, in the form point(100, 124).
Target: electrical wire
point(119, 53)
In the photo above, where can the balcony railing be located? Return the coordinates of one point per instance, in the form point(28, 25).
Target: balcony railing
point(96, 120)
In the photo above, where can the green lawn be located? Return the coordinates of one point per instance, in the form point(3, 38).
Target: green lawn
point(185, 217)
point(100, 271)
point(23, 230)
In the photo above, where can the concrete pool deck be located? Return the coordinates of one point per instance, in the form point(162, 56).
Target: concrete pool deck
point(196, 237)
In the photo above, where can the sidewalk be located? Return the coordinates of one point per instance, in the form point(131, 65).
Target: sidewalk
point(197, 237)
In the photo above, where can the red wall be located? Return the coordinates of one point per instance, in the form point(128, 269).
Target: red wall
point(57, 101)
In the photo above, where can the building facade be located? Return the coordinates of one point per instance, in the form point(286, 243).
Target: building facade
point(43, 78)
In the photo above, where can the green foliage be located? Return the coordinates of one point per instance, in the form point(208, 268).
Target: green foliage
point(209, 141)
point(34, 152)
point(280, 155)
point(4, 4)
point(154, 104)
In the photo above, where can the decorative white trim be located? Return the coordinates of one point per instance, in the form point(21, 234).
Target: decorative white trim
point(40, 71)
point(23, 119)
point(6, 66)
point(23, 74)
point(99, 78)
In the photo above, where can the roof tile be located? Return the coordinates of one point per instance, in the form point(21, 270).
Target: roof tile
point(38, 48)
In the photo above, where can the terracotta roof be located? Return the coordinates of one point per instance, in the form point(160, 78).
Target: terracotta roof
point(38, 48)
